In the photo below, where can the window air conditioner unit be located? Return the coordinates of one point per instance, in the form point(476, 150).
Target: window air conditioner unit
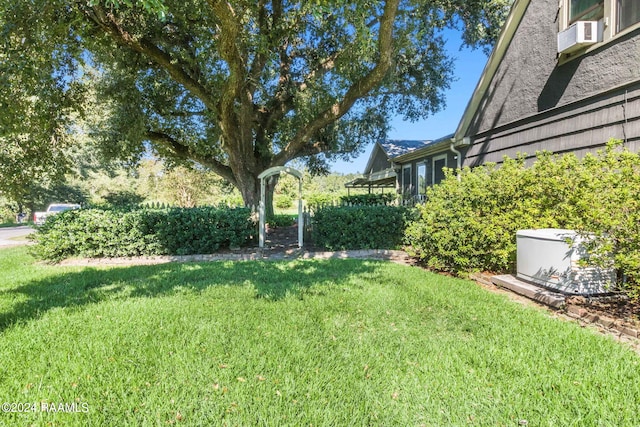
point(556, 259)
point(578, 35)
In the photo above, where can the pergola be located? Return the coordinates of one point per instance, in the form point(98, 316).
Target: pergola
point(366, 182)
point(277, 171)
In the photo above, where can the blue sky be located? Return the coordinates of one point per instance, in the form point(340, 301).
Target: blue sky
point(468, 68)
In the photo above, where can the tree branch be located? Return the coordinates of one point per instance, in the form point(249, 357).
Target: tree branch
point(357, 90)
point(235, 122)
point(185, 153)
point(109, 24)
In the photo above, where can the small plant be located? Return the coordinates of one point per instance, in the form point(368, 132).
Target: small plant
point(283, 202)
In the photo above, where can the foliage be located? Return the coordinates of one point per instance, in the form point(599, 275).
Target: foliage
point(608, 205)
point(470, 223)
point(307, 342)
point(282, 220)
point(123, 199)
point(359, 227)
point(368, 199)
point(122, 233)
point(283, 202)
point(235, 86)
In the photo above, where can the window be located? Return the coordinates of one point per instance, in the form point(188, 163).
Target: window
point(628, 13)
point(406, 180)
point(585, 10)
point(422, 179)
point(613, 17)
point(439, 164)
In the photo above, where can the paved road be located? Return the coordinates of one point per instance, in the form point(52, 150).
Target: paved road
point(11, 236)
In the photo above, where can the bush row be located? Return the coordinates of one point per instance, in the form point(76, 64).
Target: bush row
point(359, 227)
point(369, 199)
point(121, 233)
point(469, 221)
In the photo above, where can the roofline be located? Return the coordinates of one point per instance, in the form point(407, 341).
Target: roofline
point(508, 30)
point(435, 147)
point(371, 156)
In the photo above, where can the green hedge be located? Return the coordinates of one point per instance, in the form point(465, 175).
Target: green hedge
point(359, 227)
point(121, 233)
point(469, 221)
point(369, 199)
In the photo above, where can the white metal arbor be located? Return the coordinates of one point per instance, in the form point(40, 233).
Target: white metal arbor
point(276, 171)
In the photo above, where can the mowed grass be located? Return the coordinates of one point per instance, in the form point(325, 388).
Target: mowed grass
point(323, 343)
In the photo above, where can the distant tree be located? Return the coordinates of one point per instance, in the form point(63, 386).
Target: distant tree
point(236, 86)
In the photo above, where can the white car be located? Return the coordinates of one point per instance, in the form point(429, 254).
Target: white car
point(40, 217)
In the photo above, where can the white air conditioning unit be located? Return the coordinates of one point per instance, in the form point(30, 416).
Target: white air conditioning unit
point(578, 35)
point(555, 258)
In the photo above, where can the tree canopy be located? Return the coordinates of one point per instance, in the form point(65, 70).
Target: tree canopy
point(236, 86)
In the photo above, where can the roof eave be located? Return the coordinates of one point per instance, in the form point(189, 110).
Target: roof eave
point(508, 30)
point(437, 147)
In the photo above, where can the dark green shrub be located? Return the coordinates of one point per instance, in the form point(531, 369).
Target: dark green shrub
point(359, 227)
point(119, 233)
point(123, 199)
point(368, 199)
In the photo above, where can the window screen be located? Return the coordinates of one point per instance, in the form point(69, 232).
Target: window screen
point(439, 164)
point(586, 10)
point(406, 180)
point(422, 179)
point(628, 13)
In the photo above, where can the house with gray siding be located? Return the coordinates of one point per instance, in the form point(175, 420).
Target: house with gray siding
point(563, 77)
point(381, 170)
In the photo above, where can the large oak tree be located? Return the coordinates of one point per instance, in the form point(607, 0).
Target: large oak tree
point(236, 86)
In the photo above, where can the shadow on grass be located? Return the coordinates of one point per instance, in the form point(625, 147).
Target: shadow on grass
point(271, 280)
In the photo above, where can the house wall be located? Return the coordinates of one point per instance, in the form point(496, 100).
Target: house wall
point(380, 161)
point(533, 103)
point(428, 160)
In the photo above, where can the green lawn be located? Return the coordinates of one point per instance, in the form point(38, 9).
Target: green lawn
point(333, 343)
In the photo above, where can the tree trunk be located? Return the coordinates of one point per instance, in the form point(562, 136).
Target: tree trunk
point(249, 188)
point(270, 186)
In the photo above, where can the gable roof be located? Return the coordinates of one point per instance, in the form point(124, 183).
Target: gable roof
point(508, 30)
point(393, 148)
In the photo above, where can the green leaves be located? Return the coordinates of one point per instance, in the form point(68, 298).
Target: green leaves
point(359, 227)
point(235, 86)
point(99, 233)
point(471, 224)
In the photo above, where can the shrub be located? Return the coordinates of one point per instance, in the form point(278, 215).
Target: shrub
point(282, 220)
point(118, 233)
point(283, 202)
point(319, 199)
point(123, 199)
point(359, 227)
point(469, 222)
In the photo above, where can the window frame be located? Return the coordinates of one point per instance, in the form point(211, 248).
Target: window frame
point(571, 20)
point(422, 190)
point(609, 27)
point(405, 187)
point(444, 157)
